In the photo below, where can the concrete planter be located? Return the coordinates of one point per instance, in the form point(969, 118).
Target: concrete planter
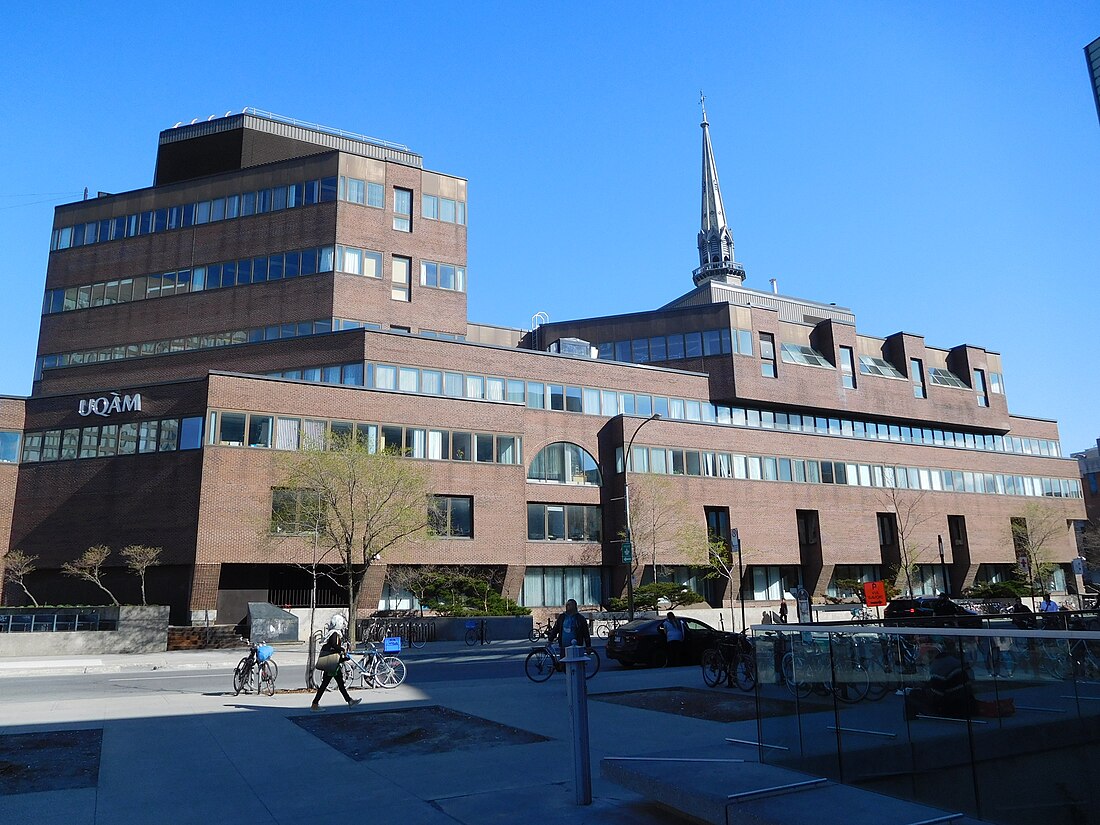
point(140, 630)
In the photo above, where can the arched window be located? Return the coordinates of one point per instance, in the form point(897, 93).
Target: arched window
point(564, 463)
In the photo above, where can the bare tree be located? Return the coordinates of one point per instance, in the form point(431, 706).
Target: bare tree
point(1090, 542)
point(909, 515)
point(90, 567)
point(722, 563)
point(1032, 533)
point(139, 558)
point(659, 521)
point(368, 502)
point(17, 566)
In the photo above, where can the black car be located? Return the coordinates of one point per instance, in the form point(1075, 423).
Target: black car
point(928, 611)
point(641, 642)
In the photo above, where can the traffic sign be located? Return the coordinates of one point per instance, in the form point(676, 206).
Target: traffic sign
point(874, 594)
point(735, 540)
point(628, 552)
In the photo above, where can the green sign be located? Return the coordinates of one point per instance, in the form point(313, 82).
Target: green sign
point(628, 552)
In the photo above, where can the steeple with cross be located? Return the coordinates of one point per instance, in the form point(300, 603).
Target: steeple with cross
point(716, 262)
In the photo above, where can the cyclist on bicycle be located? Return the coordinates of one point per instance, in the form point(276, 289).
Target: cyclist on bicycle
point(570, 627)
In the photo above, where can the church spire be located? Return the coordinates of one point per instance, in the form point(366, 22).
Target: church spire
point(716, 261)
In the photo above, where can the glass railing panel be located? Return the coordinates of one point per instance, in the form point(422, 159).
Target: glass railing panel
point(778, 707)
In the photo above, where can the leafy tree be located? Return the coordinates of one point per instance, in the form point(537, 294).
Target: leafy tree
point(466, 591)
point(1033, 533)
point(17, 566)
point(140, 558)
point(722, 564)
point(649, 596)
point(90, 567)
point(368, 503)
point(660, 524)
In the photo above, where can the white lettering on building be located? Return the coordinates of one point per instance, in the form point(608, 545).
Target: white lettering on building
point(108, 405)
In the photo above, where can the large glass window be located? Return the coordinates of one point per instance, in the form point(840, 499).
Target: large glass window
point(564, 463)
point(400, 288)
point(451, 517)
point(9, 446)
point(563, 522)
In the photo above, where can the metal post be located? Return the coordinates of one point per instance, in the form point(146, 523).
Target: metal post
point(943, 567)
point(577, 691)
point(740, 583)
point(629, 532)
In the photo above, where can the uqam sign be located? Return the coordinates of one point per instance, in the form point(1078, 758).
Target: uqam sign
point(107, 405)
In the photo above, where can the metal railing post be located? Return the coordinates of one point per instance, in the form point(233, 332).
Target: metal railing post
point(577, 691)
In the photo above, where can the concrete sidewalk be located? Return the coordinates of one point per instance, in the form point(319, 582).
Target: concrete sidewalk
point(214, 759)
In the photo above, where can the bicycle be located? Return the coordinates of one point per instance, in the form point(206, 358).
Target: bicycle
point(542, 662)
point(256, 671)
point(607, 625)
point(477, 632)
point(811, 668)
point(373, 668)
point(540, 632)
point(733, 661)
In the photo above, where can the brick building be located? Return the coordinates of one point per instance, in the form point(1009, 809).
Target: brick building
point(280, 281)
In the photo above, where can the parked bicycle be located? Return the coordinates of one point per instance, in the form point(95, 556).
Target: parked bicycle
point(372, 668)
point(606, 625)
point(732, 661)
point(477, 632)
point(543, 662)
point(811, 667)
point(257, 671)
point(539, 631)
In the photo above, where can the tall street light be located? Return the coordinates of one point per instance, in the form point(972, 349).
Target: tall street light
point(628, 543)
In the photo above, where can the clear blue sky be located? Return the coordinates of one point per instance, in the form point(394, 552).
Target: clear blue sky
point(933, 166)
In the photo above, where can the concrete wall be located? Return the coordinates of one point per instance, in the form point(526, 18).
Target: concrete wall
point(140, 630)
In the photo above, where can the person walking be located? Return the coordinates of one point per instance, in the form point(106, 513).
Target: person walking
point(331, 656)
point(782, 611)
point(570, 627)
point(674, 630)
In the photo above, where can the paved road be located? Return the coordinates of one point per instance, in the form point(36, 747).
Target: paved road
point(423, 668)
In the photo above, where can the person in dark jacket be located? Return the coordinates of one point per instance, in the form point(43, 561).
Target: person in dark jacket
point(570, 627)
point(333, 647)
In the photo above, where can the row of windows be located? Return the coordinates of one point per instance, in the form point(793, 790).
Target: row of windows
point(195, 214)
point(193, 342)
point(109, 440)
point(677, 346)
point(564, 522)
point(447, 210)
point(593, 401)
point(553, 586)
point(802, 354)
point(233, 429)
point(299, 512)
point(665, 461)
point(213, 276)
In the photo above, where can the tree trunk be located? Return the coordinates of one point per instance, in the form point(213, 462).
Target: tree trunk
point(105, 590)
point(144, 603)
point(34, 601)
point(353, 602)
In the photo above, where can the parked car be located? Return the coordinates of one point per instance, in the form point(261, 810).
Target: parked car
point(925, 611)
point(640, 642)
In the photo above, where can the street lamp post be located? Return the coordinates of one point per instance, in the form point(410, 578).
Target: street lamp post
point(943, 568)
point(629, 534)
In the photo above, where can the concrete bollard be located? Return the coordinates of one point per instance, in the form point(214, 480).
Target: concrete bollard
point(577, 691)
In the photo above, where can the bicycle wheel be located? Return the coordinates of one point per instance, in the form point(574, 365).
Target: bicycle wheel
point(535, 634)
point(471, 637)
point(744, 672)
point(389, 673)
point(539, 665)
point(592, 664)
point(851, 682)
point(267, 679)
point(880, 683)
point(418, 635)
point(796, 675)
point(353, 676)
point(603, 630)
point(273, 667)
point(714, 668)
point(241, 677)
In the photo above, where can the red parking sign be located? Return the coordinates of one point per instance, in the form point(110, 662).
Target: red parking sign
point(875, 594)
